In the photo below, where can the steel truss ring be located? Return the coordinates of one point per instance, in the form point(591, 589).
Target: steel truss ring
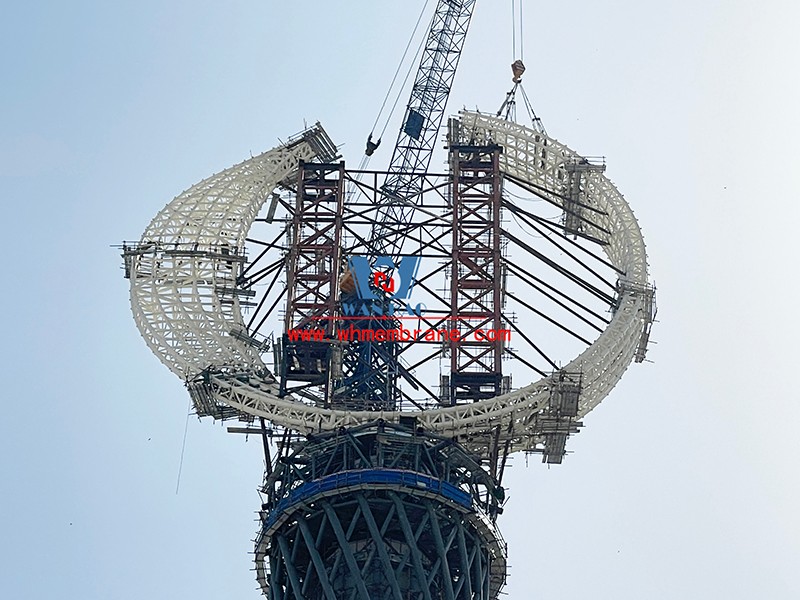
point(181, 268)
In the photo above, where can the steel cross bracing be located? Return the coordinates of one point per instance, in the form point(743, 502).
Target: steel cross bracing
point(378, 542)
point(357, 374)
point(423, 119)
point(313, 267)
point(476, 280)
point(375, 367)
point(379, 512)
point(362, 375)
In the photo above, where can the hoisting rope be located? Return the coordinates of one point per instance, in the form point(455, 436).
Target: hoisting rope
point(513, 29)
point(394, 80)
point(517, 23)
point(521, 33)
point(508, 109)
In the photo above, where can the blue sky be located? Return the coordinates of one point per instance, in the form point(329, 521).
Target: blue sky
point(684, 483)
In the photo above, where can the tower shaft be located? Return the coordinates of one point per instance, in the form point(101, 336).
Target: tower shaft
point(378, 513)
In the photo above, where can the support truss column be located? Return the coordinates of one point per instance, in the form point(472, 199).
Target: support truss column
point(575, 196)
point(313, 271)
point(476, 292)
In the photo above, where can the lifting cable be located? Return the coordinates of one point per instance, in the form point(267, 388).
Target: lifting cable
point(513, 30)
point(517, 23)
point(518, 55)
point(394, 79)
point(521, 34)
point(351, 189)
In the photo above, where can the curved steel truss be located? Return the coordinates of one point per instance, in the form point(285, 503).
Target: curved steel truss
point(184, 269)
point(187, 295)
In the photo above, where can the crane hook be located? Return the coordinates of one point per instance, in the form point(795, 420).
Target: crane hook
point(371, 146)
point(517, 68)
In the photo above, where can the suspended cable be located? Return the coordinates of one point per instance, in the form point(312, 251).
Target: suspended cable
point(521, 34)
point(399, 66)
point(183, 448)
point(537, 122)
point(405, 80)
point(513, 30)
point(516, 23)
point(523, 229)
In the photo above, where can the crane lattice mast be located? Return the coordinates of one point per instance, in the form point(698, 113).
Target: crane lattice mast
point(423, 119)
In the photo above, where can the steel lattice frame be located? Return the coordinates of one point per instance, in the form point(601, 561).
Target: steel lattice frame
point(189, 314)
point(476, 283)
point(380, 511)
point(184, 270)
point(313, 270)
point(406, 546)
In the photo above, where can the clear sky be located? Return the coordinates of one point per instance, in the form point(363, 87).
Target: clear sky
point(684, 483)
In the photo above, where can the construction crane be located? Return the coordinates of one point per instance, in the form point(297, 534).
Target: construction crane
point(365, 497)
point(423, 119)
point(374, 366)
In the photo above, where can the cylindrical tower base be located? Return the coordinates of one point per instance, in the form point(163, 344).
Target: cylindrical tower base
point(377, 514)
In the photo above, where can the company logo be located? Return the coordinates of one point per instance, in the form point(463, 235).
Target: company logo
point(380, 280)
point(381, 289)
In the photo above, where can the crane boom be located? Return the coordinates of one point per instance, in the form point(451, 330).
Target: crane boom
point(423, 119)
point(373, 367)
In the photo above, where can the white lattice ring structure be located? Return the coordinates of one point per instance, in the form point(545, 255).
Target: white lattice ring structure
point(184, 301)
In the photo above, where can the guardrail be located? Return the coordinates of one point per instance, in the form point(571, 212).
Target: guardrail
point(346, 479)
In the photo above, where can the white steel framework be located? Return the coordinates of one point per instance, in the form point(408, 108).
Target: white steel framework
point(187, 305)
point(183, 272)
